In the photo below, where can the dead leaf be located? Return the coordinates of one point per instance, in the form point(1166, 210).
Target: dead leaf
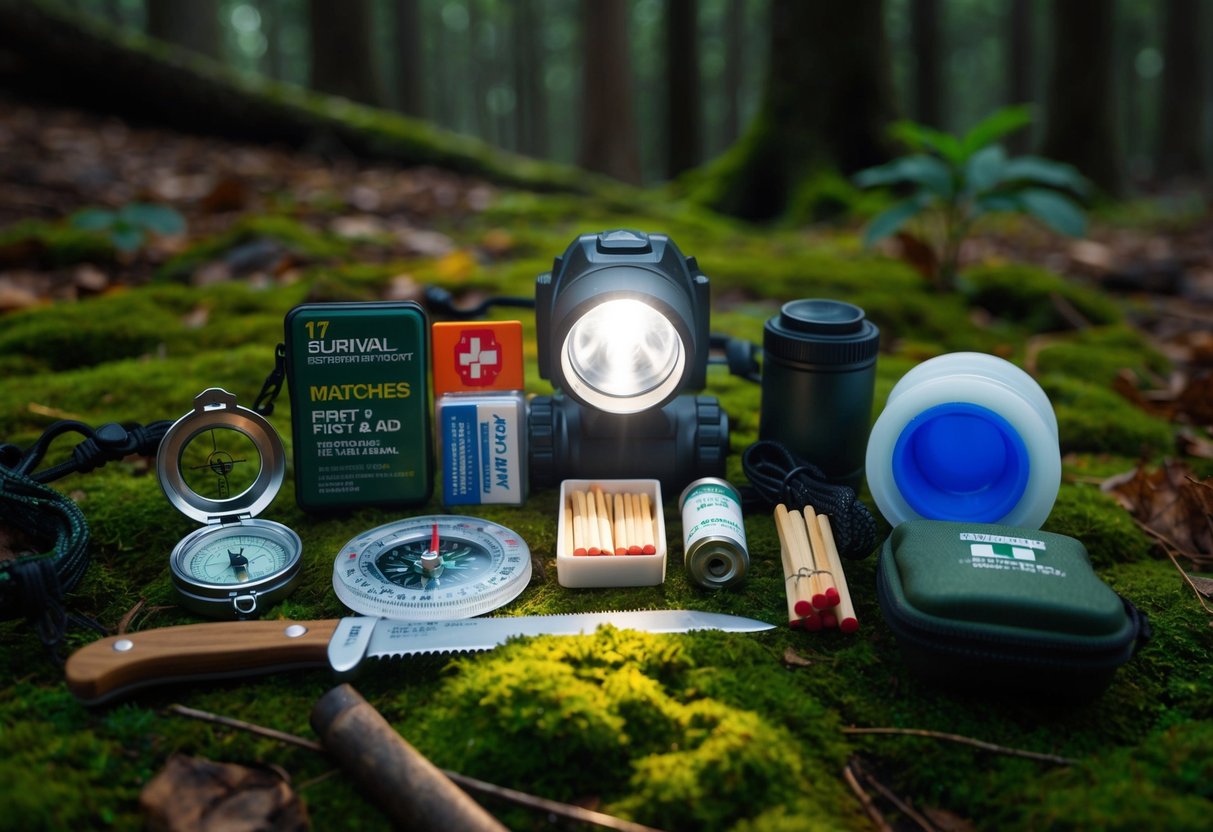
point(193, 794)
point(1203, 585)
point(455, 267)
point(403, 287)
point(946, 821)
point(1171, 505)
point(793, 659)
point(917, 254)
point(1192, 444)
point(358, 227)
point(229, 194)
point(497, 242)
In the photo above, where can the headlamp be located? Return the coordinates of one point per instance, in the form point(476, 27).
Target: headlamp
point(622, 329)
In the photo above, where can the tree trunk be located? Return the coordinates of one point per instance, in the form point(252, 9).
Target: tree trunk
point(1081, 121)
point(1180, 120)
point(927, 45)
point(407, 55)
point(193, 25)
point(827, 103)
point(530, 105)
point(608, 125)
point(343, 61)
point(684, 148)
point(734, 35)
point(1018, 60)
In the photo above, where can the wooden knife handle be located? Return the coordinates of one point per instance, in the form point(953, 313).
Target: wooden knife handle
point(117, 665)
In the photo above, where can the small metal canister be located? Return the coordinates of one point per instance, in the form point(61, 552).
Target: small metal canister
point(713, 533)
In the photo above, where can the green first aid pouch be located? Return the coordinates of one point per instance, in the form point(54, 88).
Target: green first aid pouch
point(1004, 608)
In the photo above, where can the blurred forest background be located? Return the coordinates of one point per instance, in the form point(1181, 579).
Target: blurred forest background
point(643, 90)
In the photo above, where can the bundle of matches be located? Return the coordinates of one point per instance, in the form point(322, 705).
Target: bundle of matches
point(815, 584)
point(610, 524)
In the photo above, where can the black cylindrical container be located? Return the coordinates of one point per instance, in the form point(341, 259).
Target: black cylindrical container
point(818, 373)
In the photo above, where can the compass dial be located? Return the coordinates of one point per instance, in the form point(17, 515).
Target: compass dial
point(390, 571)
point(236, 559)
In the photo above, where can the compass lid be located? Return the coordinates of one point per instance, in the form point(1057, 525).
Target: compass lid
point(206, 463)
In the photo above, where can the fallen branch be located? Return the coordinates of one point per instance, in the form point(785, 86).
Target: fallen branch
point(865, 799)
point(963, 740)
point(889, 795)
point(469, 784)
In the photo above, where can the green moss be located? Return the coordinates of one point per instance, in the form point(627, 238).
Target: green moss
point(1085, 513)
point(52, 245)
point(295, 236)
point(1030, 296)
point(82, 334)
point(1094, 419)
point(1097, 355)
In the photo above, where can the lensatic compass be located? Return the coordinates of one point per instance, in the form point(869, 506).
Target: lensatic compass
point(222, 464)
point(432, 568)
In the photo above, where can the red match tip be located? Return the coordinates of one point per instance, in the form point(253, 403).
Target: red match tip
point(848, 625)
point(829, 620)
point(580, 552)
point(820, 602)
point(634, 550)
point(649, 549)
point(803, 608)
point(832, 597)
point(621, 550)
point(594, 550)
point(795, 624)
point(812, 623)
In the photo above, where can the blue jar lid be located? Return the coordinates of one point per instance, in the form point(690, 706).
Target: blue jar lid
point(961, 462)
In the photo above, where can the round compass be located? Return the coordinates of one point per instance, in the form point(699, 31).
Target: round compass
point(220, 464)
point(432, 568)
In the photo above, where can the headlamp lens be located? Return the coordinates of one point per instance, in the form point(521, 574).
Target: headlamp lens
point(625, 349)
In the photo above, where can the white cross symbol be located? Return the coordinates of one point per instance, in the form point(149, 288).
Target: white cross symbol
point(474, 358)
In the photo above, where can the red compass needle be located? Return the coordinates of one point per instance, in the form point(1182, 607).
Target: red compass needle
point(434, 540)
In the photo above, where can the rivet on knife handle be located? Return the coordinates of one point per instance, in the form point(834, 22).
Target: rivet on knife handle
point(119, 664)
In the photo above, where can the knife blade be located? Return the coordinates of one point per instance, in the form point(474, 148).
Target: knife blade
point(116, 666)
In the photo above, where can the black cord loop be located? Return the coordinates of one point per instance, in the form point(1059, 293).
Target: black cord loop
point(778, 476)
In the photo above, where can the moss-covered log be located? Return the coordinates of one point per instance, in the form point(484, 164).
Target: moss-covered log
point(47, 53)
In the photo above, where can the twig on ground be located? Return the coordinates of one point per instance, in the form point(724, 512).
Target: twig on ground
point(471, 784)
point(1169, 547)
point(889, 795)
point(865, 799)
point(963, 740)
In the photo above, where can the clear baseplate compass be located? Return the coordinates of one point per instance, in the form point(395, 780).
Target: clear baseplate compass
point(432, 568)
point(222, 464)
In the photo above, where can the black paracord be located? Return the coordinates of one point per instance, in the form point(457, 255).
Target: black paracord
point(778, 476)
point(32, 585)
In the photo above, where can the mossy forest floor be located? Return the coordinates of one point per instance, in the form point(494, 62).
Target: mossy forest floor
point(702, 731)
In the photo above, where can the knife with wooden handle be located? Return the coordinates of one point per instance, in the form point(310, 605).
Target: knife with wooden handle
point(113, 667)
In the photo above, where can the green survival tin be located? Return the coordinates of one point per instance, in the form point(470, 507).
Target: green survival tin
point(360, 416)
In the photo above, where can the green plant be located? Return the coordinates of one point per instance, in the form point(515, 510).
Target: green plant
point(127, 227)
point(957, 180)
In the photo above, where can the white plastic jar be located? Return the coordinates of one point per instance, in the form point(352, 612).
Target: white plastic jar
point(966, 437)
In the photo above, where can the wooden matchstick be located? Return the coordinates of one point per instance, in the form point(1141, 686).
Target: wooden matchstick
point(847, 622)
point(785, 556)
point(605, 543)
point(579, 538)
point(635, 525)
point(648, 541)
point(824, 593)
point(621, 526)
point(592, 530)
point(567, 515)
point(802, 559)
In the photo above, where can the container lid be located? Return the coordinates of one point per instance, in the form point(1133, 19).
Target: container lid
point(821, 331)
point(475, 357)
point(960, 461)
point(220, 461)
